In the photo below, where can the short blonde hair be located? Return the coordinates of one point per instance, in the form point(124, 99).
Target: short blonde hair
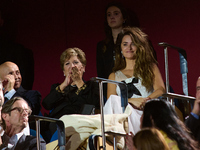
point(72, 52)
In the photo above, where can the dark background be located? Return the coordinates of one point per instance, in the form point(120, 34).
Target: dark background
point(48, 27)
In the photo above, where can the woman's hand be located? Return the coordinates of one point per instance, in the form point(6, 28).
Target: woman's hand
point(138, 103)
point(8, 83)
point(76, 76)
point(144, 102)
point(66, 82)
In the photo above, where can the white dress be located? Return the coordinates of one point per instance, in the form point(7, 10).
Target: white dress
point(114, 103)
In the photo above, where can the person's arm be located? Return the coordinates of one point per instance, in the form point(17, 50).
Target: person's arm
point(8, 83)
point(196, 109)
point(111, 87)
point(49, 102)
point(158, 86)
point(193, 122)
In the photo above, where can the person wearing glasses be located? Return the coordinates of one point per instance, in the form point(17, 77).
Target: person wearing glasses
point(14, 120)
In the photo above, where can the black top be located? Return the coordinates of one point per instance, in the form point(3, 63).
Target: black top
point(69, 102)
point(105, 60)
point(194, 125)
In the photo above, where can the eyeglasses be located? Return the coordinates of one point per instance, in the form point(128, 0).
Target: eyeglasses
point(21, 110)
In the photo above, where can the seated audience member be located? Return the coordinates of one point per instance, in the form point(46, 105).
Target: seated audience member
point(193, 122)
point(26, 130)
point(11, 79)
point(136, 66)
point(161, 115)
point(70, 96)
point(14, 119)
point(149, 139)
point(1, 103)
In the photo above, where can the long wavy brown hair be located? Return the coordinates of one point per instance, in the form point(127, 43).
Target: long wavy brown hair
point(144, 56)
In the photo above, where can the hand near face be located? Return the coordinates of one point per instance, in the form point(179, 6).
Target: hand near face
point(8, 83)
point(76, 74)
point(73, 69)
point(66, 82)
point(196, 109)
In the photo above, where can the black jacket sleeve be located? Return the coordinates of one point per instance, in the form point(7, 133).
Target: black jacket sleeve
point(49, 102)
point(194, 125)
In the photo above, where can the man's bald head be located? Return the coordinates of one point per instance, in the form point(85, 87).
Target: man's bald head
point(10, 69)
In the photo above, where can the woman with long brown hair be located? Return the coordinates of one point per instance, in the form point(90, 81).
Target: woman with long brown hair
point(135, 65)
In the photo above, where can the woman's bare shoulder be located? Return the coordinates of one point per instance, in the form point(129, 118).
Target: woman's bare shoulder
point(112, 76)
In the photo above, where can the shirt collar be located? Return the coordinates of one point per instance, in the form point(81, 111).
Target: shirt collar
point(12, 141)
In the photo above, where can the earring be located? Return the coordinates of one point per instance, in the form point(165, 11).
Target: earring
point(64, 75)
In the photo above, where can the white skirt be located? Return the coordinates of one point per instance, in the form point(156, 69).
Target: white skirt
point(113, 106)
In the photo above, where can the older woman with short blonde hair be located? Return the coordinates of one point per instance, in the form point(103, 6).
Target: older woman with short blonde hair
point(70, 96)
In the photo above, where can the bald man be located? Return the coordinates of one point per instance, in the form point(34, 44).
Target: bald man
point(193, 122)
point(11, 79)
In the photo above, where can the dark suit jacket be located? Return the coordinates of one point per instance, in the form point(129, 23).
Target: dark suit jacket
point(32, 97)
point(28, 143)
point(194, 125)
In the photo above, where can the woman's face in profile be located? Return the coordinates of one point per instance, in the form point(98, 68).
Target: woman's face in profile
point(71, 63)
point(128, 48)
point(114, 17)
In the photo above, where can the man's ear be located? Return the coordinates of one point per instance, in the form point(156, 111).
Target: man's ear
point(5, 116)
